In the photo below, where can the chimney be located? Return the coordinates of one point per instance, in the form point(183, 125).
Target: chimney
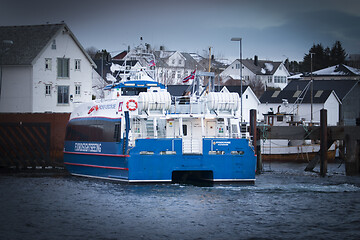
point(256, 62)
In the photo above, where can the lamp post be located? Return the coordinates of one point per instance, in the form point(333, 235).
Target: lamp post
point(5, 46)
point(241, 105)
point(311, 87)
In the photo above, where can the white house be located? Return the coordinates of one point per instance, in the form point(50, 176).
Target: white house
point(44, 70)
point(249, 100)
point(285, 102)
point(173, 66)
point(269, 73)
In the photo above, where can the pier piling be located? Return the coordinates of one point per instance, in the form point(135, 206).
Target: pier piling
point(348, 135)
point(255, 137)
point(323, 142)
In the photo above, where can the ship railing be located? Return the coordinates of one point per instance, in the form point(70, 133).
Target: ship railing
point(188, 105)
point(196, 105)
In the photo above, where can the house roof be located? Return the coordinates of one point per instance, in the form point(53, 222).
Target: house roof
point(341, 87)
point(107, 64)
point(337, 70)
point(162, 56)
point(277, 96)
point(29, 41)
point(263, 67)
point(121, 55)
point(177, 90)
point(236, 89)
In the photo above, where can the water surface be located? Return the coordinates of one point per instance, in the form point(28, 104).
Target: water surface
point(284, 203)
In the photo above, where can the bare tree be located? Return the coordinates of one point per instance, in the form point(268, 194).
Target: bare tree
point(257, 87)
point(92, 51)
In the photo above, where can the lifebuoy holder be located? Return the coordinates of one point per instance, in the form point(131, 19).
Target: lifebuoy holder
point(132, 105)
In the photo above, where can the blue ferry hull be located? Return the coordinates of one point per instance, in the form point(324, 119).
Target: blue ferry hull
point(156, 160)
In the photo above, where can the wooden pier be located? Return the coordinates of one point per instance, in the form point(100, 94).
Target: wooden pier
point(348, 135)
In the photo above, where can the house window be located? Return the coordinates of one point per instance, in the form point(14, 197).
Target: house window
point(63, 67)
point(173, 74)
point(77, 89)
point(237, 66)
point(47, 63)
point(53, 45)
point(173, 61)
point(63, 94)
point(269, 79)
point(178, 74)
point(180, 62)
point(47, 89)
point(247, 96)
point(77, 64)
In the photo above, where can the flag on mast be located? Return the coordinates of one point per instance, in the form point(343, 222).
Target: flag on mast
point(191, 76)
point(152, 63)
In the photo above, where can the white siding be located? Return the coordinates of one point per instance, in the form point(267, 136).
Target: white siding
point(251, 102)
point(282, 72)
point(65, 48)
point(16, 89)
point(332, 106)
point(304, 110)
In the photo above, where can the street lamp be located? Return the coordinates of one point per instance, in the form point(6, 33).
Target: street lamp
point(312, 87)
point(241, 105)
point(5, 46)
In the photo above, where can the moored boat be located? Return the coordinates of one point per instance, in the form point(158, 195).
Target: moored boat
point(139, 133)
point(284, 150)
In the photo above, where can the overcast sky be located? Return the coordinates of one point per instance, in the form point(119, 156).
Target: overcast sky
point(273, 30)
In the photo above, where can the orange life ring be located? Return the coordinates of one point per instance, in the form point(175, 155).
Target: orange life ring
point(132, 108)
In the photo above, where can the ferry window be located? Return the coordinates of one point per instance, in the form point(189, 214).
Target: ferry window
point(185, 130)
point(63, 94)
point(117, 132)
point(128, 91)
point(47, 63)
point(93, 130)
point(63, 67)
point(96, 132)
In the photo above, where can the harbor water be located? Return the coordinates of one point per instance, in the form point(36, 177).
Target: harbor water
point(284, 203)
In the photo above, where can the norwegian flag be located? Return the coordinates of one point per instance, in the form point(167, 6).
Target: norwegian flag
point(152, 63)
point(191, 76)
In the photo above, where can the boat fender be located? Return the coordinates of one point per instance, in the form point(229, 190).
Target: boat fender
point(133, 106)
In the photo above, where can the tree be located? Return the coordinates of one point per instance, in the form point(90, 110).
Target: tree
point(257, 87)
point(103, 54)
point(92, 51)
point(324, 57)
point(318, 58)
point(337, 54)
point(294, 67)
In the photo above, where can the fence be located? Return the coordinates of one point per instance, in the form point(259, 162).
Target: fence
point(32, 139)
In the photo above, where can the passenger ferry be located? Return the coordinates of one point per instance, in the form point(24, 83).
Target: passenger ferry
point(139, 133)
